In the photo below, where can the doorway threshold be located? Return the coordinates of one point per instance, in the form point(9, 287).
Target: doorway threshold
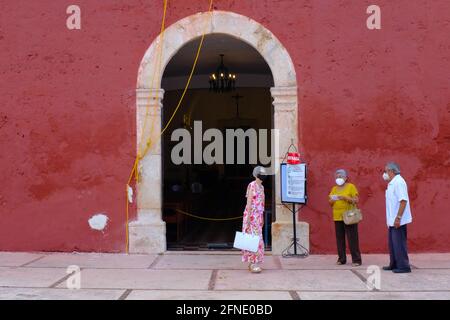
point(211, 248)
point(209, 252)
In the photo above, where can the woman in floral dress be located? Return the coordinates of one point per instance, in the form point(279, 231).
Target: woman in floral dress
point(254, 219)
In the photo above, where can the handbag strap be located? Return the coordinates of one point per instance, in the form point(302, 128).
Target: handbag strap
point(352, 206)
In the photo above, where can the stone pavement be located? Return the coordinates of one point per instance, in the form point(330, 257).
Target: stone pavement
point(215, 275)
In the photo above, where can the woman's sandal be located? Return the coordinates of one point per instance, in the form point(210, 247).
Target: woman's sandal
point(255, 269)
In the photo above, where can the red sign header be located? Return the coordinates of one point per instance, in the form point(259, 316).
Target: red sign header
point(293, 158)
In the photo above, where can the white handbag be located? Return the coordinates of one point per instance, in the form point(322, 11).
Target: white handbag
point(246, 241)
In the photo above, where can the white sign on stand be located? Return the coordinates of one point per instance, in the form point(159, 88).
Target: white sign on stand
point(293, 183)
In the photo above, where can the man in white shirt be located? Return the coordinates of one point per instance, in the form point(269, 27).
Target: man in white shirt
point(398, 215)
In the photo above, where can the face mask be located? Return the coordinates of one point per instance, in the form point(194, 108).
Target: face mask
point(261, 177)
point(340, 181)
point(385, 176)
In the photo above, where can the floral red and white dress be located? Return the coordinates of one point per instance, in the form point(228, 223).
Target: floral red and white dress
point(253, 222)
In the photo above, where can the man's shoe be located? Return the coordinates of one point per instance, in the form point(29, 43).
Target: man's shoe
point(356, 264)
point(388, 268)
point(401, 270)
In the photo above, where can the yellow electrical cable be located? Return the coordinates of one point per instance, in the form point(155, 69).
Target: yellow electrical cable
point(158, 59)
point(153, 76)
point(187, 84)
point(150, 143)
point(159, 49)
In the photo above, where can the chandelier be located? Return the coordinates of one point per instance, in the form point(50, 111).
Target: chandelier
point(222, 80)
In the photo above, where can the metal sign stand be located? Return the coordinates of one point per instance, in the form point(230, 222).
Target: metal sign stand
point(295, 241)
point(287, 253)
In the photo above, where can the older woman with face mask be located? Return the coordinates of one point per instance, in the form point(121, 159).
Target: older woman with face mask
point(254, 218)
point(342, 196)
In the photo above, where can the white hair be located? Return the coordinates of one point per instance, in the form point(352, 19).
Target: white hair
point(394, 167)
point(341, 172)
point(259, 170)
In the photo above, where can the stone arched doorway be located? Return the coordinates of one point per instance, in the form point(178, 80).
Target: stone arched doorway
point(148, 232)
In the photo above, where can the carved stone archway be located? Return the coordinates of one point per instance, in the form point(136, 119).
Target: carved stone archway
point(148, 231)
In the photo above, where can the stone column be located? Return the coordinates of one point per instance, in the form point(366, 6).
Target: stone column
point(286, 121)
point(148, 232)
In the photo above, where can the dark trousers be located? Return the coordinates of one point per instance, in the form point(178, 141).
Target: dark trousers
point(353, 242)
point(398, 249)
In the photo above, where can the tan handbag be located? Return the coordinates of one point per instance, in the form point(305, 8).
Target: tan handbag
point(353, 215)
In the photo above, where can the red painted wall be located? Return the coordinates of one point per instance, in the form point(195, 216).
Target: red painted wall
point(67, 112)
